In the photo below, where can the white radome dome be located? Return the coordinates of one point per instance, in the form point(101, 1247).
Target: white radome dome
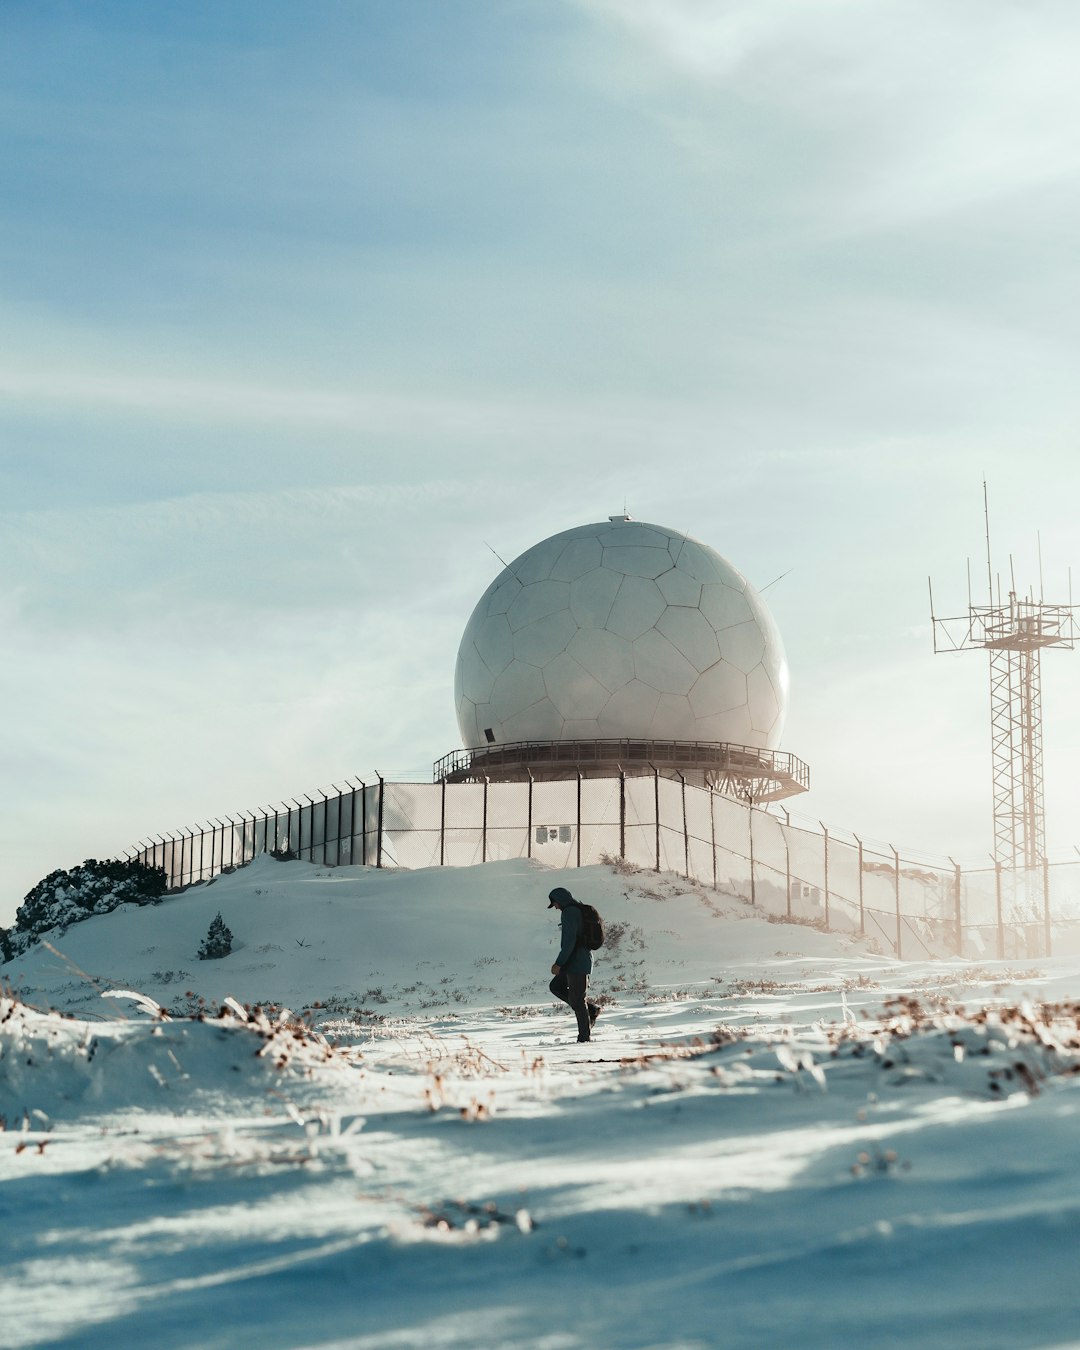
point(621, 630)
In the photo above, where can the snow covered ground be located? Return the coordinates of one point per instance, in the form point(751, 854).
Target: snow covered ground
point(778, 1137)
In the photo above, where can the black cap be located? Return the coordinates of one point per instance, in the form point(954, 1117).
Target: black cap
point(558, 897)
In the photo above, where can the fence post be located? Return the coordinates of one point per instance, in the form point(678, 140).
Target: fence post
point(363, 822)
point(579, 817)
point(336, 840)
point(685, 830)
point(1000, 923)
point(750, 831)
point(712, 824)
point(622, 812)
point(825, 829)
point(896, 865)
point(530, 812)
point(787, 863)
point(1046, 904)
point(483, 826)
point(379, 825)
point(957, 910)
point(862, 902)
point(656, 810)
point(311, 827)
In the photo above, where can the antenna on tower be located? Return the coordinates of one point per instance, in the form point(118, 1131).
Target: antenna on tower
point(989, 568)
point(1038, 546)
point(1013, 634)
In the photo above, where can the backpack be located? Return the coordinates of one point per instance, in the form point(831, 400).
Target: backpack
point(592, 926)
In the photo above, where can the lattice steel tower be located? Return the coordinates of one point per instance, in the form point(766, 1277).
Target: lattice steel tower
point(1014, 631)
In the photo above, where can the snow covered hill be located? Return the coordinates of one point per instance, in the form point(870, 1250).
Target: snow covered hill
point(778, 1137)
point(411, 942)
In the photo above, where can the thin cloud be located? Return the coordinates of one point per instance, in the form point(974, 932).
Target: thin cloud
point(906, 111)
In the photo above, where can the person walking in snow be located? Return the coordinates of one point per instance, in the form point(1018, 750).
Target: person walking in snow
point(573, 965)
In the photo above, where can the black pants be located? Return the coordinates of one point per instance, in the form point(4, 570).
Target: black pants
point(570, 988)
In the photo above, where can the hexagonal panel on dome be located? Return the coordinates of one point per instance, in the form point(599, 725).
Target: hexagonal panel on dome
point(732, 726)
point(673, 720)
point(541, 721)
point(628, 711)
point(483, 716)
point(637, 562)
point(494, 642)
point(700, 562)
point(764, 704)
point(572, 689)
point(540, 641)
point(537, 601)
point(578, 557)
point(467, 717)
point(631, 534)
point(475, 680)
point(718, 690)
point(501, 595)
point(537, 563)
point(637, 607)
point(775, 663)
point(591, 598)
point(692, 634)
point(724, 606)
point(660, 664)
point(743, 645)
point(519, 686)
point(606, 656)
point(582, 729)
point(679, 588)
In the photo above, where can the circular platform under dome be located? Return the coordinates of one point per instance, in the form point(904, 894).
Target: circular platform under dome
point(621, 631)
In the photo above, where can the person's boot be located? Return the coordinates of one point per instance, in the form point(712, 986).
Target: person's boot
point(594, 1013)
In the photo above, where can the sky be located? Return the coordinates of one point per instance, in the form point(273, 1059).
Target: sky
point(307, 312)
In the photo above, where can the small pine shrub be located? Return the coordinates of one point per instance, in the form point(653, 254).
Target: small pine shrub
point(218, 940)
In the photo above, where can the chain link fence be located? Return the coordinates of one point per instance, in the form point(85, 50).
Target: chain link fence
point(909, 908)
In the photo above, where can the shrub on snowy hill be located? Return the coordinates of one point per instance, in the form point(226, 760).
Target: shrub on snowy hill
point(218, 940)
point(66, 897)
